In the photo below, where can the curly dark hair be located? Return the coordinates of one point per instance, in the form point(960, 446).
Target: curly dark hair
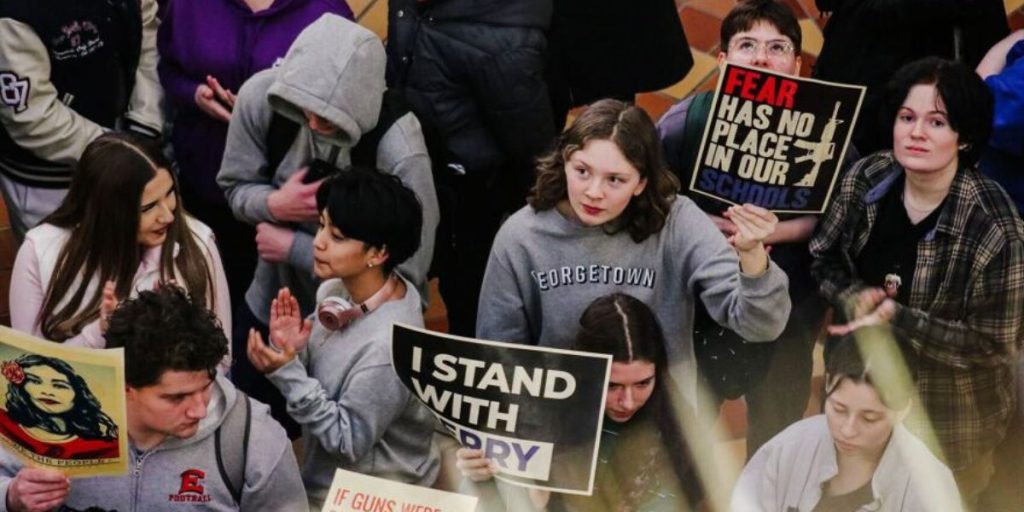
point(166, 330)
point(633, 132)
point(85, 419)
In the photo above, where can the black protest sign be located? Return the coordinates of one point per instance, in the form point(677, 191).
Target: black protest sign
point(775, 140)
point(526, 407)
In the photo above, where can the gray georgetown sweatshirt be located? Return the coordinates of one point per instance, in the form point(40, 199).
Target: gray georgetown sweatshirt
point(545, 269)
point(334, 69)
point(180, 474)
point(354, 411)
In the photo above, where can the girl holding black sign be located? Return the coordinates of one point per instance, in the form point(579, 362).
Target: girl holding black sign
point(604, 217)
point(644, 462)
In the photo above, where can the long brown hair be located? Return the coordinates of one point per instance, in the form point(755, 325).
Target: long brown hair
point(101, 211)
point(625, 327)
point(633, 132)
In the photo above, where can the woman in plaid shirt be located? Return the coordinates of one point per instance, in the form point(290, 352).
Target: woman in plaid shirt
point(944, 264)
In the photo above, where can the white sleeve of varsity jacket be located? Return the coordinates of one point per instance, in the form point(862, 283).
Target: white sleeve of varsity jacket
point(144, 113)
point(29, 108)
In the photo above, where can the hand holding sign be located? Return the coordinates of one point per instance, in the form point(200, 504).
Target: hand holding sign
point(474, 465)
point(37, 490)
point(753, 225)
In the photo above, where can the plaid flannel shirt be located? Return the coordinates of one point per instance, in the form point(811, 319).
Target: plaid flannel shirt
point(966, 308)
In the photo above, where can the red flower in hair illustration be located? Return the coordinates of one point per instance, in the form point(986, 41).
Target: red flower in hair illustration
point(12, 372)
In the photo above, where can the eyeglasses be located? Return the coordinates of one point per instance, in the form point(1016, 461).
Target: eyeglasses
point(748, 47)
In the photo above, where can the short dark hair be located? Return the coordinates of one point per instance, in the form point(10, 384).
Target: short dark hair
point(748, 13)
point(844, 360)
point(374, 208)
point(633, 133)
point(166, 330)
point(969, 103)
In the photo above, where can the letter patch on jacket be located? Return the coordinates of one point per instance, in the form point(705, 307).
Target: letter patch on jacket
point(14, 91)
point(192, 489)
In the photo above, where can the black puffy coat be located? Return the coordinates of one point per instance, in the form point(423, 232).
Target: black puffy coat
point(614, 49)
point(472, 71)
point(866, 41)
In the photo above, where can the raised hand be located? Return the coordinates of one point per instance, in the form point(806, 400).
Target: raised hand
point(108, 303)
point(287, 327)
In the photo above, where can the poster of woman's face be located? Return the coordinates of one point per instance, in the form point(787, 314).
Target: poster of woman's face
point(62, 407)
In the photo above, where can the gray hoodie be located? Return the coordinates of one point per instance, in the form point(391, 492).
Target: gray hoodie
point(334, 69)
point(157, 476)
point(545, 269)
point(355, 412)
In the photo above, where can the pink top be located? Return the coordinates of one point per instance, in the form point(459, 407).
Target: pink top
point(30, 279)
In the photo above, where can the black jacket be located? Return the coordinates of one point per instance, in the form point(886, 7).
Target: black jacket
point(472, 71)
point(606, 48)
point(866, 41)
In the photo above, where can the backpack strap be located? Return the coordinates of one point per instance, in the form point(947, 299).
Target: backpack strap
point(693, 129)
point(392, 108)
point(280, 137)
point(232, 456)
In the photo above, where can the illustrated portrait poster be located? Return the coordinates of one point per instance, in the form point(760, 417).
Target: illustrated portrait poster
point(775, 140)
point(62, 407)
point(535, 411)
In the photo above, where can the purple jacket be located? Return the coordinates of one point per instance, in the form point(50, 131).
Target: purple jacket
point(224, 39)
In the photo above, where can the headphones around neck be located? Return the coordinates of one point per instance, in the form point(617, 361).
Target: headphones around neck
point(335, 313)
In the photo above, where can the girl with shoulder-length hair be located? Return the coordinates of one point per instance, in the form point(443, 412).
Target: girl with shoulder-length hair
point(604, 217)
point(917, 239)
point(857, 455)
point(51, 411)
point(121, 229)
point(644, 461)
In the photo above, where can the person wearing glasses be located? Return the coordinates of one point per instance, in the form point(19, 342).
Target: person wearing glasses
point(764, 34)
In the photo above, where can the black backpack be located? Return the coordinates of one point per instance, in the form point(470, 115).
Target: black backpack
point(232, 455)
point(282, 132)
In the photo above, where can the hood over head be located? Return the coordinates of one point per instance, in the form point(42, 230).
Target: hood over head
point(334, 69)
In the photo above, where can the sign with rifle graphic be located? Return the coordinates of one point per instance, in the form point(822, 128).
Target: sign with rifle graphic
point(775, 140)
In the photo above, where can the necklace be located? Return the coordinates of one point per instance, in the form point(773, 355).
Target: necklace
point(908, 204)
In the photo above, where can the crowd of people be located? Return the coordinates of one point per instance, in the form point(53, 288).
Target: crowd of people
point(246, 195)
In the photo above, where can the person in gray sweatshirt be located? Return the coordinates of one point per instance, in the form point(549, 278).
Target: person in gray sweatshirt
point(335, 373)
point(331, 82)
point(604, 216)
point(177, 408)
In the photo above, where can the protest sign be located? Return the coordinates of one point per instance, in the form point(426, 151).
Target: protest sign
point(358, 492)
point(528, 408)
point(775, 140)
point(63, 407)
